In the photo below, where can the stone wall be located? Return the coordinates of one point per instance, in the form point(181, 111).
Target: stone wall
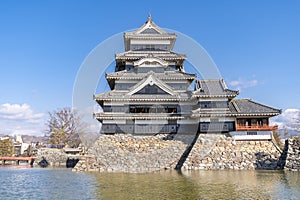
point(87, 163)
point(127, 153)
point(54, 158)
point(227, 153)
point(293, 154)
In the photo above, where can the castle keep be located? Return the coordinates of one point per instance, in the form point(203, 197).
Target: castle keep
point(150, 94)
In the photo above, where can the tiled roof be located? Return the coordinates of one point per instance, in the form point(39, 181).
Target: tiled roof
point(149, 28)
point(149, 31)
point(211, 112)
point(156, 116)
point(167, 75)
point(249, 107)
point(213, 88)
point(136, 55)
point(123, 96)
point(149, 24)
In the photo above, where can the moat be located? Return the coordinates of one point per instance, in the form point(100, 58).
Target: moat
point(36, 183)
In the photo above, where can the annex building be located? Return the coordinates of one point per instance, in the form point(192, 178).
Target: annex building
point(150, 94)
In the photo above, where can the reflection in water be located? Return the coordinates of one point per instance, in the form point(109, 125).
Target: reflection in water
point(163, 185)
point(64, 184)
point(200, 185)
point(34, 183)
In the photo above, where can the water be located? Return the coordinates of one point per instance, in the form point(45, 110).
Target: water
point(34, 183)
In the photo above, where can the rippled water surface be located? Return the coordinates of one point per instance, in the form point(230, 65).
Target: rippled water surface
point(33, 183)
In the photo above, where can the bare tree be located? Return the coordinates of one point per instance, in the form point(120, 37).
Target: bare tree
point(63, 128)
point(286, 133)
point(6, 147)
point(277, 138)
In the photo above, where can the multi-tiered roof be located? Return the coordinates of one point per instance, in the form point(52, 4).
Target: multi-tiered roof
point(148, 59)
point(149, 75)
point(147, 72)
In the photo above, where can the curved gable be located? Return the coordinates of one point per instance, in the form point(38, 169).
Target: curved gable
point(150, 61)
point(148, 83)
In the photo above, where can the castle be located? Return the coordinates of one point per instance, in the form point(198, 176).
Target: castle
point(150, 94)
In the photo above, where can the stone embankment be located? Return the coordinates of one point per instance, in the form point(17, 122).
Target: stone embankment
point(50, 157)
point(138, 154)
point(127, 153)
point(293, 154)
point(87, 163)
point(227, 153)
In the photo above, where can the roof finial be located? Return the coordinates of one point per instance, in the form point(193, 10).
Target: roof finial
point(149, 17)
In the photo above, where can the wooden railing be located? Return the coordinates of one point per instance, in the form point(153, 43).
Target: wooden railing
point(16, 158)
point(30, 160)
point(256, 128)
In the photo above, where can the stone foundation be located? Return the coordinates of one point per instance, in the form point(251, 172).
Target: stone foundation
point(293, 154)
point(227, 153)
point(54, 158)
point(127, 153)
point(138, 154)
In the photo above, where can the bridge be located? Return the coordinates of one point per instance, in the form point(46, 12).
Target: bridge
point(17, 160)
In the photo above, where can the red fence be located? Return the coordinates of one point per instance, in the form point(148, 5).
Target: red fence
point(256, 128)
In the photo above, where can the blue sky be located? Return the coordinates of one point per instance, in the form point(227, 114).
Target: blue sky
point(255, 45)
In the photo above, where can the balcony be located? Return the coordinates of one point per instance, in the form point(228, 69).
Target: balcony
point(256, 128)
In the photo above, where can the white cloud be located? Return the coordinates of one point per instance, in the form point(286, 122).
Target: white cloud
point(19, 112)
point(290, 119)
point(18, 119)
point(240, 83)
